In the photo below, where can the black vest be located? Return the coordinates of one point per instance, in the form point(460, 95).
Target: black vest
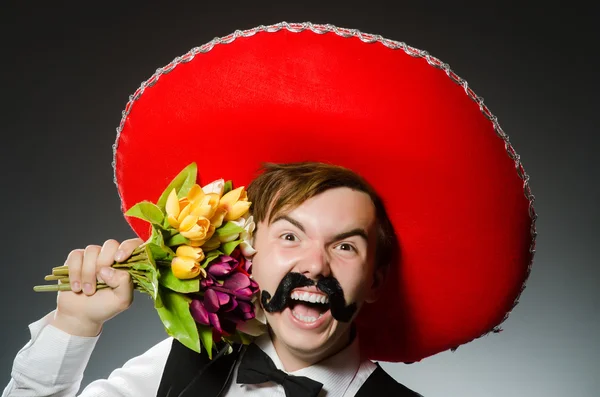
point(189, 374)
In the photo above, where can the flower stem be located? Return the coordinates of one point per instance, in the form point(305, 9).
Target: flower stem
point(138, 273)
point(121, 265)
point(137, 257)
point(61, 274)
point(53, 277)
point(61, 287)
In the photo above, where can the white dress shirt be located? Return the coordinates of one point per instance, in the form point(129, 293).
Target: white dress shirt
point(52, 364)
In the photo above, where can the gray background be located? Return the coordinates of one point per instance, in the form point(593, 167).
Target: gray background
point(67, 71)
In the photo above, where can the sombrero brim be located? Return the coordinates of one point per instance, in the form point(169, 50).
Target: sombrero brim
point(453, 187)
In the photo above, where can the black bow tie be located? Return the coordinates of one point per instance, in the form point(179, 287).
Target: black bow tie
point(257, 367)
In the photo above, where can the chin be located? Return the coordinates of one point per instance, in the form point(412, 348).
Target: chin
point(308, 339)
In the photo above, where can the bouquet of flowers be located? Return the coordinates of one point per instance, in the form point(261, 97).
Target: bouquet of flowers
point(195, 265)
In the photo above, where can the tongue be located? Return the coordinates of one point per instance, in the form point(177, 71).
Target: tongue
point(306, 311)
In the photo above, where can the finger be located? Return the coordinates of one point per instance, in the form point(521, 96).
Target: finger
point(106, 256)
point(107, 253)
point(126, 248)
point(88, 270)
point(120, 282)
point(74, 262)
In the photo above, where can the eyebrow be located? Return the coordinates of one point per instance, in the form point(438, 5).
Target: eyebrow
point(351, 233)
point(290, 220)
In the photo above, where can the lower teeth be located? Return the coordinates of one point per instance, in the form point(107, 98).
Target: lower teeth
point(306, 319)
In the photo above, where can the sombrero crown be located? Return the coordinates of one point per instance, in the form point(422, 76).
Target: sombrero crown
point(453, 186)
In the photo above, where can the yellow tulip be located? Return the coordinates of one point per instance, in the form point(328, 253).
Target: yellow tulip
point(186, 263)
point(173, 209)
point(184, 268)
point(198, 227)
point(196, 193)
point(191, 252)
point(199, 242)
point(177, 209)
point(209, 244)
point(235, 203)
point(218, 217)
point(206, 207)
point(196, 215)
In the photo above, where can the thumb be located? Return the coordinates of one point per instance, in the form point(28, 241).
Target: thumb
point(118, 280)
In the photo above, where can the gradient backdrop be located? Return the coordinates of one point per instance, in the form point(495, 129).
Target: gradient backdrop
point(67, 71)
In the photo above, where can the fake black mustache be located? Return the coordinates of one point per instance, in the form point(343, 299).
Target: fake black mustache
point(329, 285)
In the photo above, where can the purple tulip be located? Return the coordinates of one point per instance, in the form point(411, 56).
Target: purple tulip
point(224, 266)
point(215, 321)
point(199, 312)
point(228, 291)
point(202, 316)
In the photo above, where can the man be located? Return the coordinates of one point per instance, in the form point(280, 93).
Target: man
point(336, 293)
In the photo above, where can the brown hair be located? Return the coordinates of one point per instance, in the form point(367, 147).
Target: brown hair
point(285, 186)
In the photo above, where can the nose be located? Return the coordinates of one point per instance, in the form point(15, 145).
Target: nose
point(315, 263)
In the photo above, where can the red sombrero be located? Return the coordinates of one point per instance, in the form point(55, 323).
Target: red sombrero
point(452, 184)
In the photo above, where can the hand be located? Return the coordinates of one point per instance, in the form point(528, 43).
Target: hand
point(83, 310)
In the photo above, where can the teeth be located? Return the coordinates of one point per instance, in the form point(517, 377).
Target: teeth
point(306, 319)
point(309, 297)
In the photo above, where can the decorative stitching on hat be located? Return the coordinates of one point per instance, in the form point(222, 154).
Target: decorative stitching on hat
point(367, 38)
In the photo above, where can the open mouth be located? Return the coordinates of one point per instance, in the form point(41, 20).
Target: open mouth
point(308, 307)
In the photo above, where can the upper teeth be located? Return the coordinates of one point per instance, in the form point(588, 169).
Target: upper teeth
point(309, 297)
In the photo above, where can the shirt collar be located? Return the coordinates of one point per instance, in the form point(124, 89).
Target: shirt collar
point(335, 373)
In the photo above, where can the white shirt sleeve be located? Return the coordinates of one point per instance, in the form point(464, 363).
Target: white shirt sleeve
point(52, 364)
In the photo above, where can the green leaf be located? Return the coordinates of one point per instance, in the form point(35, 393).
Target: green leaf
point(176, 240)
point(168, 280)
point(145, 284)
point(182, 184)
point(177, 319)
point(149, 281)
point(159, 253)
point(158, 302)
point(244, 338)
point(168, 232)
point(155, 249)
point(156, 237)
point(210, 256)
point(230, 246)
point(207, 338)
point(227, 187)
point(147, 211)
point(145, 267)
point(239, 337)
point(228, 228)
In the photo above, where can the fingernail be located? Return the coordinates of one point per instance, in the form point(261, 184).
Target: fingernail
point(106, 273)
point(87, 288)
point(75, 287)
point(119, 255)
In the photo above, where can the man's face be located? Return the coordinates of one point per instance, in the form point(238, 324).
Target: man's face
point(330, 235)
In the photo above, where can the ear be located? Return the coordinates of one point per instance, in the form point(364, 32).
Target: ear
point(377, 285)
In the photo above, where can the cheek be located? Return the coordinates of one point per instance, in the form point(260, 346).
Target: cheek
point(270, 264)
point(355, 281)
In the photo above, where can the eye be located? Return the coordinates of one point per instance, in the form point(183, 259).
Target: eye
point(289, 237)
point(346, 247)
